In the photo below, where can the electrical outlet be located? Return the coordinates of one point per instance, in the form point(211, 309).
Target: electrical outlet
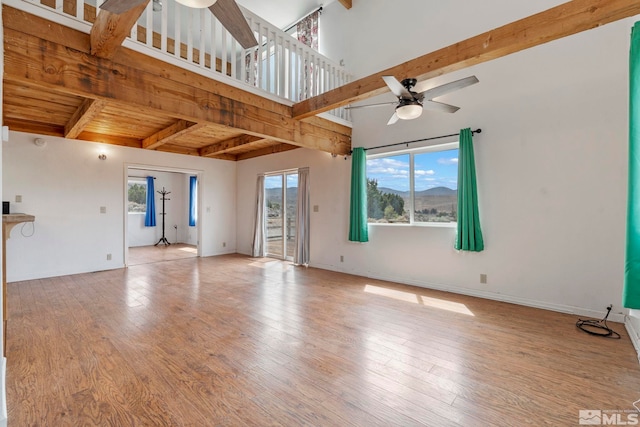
point(103, 209)
point(316, 208)
point(483, 278)
point(341, 258)
point(18, 199)
point(224, 244)
point(108, 257)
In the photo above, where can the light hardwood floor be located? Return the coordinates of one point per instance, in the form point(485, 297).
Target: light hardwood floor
point(235, 341)
point(148, 254)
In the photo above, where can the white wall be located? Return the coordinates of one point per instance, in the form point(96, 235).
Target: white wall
point(177, 228)
point(551, 160)
point(64, 184)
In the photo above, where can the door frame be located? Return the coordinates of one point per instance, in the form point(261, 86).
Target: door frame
point(128, 167)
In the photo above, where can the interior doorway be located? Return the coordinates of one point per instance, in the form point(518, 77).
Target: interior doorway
point(161, 230)
point(281, 200)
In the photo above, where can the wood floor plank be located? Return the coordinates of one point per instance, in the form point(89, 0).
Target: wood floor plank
point(233, 340)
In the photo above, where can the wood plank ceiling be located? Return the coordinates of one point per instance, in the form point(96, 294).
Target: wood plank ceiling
point(62, 82)
point(53, 85)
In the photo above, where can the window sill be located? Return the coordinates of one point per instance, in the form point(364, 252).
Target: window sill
point(416, 224)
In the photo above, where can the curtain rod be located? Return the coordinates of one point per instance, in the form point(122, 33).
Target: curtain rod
point(298, 21)
point(136, 176)
point(420, 140)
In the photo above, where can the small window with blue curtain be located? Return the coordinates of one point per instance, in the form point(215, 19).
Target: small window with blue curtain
point(193, 200)
point(416, 186)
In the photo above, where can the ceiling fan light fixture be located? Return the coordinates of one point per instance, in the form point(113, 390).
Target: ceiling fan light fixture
point(198, 4)
point(408, 110)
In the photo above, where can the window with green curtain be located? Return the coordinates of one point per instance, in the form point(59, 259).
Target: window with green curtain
point(469, 236)
point(631, 291)
point(358, 231)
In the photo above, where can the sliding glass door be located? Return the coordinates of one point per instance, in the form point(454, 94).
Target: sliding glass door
point(281, 198)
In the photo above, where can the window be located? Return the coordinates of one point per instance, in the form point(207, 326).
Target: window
point(415, 187)
point(137, 198)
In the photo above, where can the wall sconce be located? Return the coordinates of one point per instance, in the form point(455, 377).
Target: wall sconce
point(102, 156)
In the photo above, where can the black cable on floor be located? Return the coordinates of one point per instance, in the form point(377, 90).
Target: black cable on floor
point(598, 327)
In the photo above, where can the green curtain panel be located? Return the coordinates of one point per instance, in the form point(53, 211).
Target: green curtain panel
point(469, 236)
point(631, 292)
point(358, 231)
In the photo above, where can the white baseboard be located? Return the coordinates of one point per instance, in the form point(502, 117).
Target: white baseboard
point(578, 311)
point(633, 332)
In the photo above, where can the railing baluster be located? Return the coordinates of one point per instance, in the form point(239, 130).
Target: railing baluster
point(223, 68)
point(259, 59)
point(149, 25)
point(233, 58)
point(202, 57)
point(163, 29)
point(269, 61)
point(189, 34)
point(80, 10)
point(214, 45)
point(177, 34)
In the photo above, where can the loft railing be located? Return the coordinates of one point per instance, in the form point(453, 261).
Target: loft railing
point(279, 66)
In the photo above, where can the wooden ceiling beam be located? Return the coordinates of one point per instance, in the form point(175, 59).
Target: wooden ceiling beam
point(29, 126)
point(346, 3)
point(278, 148)
point(110, 29)
point(176, 130)
point(561, 21)
point(84, 115)
point(110, 139)
point(50, 65)
point(221, 147)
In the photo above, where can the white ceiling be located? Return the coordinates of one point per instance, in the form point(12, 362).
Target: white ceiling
point(282, 13)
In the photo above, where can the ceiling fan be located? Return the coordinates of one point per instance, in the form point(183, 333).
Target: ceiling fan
point(226, 11)
point(414, 96)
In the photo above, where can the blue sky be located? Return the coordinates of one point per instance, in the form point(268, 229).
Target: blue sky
point(432, 169)
point(276, 181)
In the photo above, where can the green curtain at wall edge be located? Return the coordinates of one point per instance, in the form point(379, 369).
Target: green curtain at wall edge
point(631, 292)
point(469, 235)
point(358, 231)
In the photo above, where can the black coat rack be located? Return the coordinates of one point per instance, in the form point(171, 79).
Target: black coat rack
point(164, 198)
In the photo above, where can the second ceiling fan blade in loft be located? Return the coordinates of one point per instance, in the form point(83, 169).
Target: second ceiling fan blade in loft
point(226, 11)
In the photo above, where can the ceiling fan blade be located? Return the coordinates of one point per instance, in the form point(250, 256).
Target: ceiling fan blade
point(396, 87)
point(393, 119)
point(120, 6)
point(382, 104)
point(445, 88)
point(231, 17)
point(439, 106)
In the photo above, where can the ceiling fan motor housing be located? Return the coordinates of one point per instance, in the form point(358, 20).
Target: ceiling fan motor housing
point(409, 83)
